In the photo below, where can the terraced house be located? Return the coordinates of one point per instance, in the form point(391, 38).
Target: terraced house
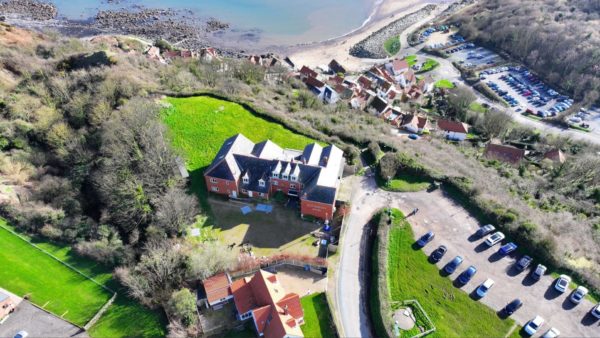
point(245, 169)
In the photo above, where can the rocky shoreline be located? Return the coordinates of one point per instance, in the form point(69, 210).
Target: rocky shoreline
point(372, 46)
point(34, 10)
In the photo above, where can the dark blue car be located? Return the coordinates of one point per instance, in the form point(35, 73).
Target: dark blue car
point(507, 248)
point(451, 267)
point(425, 239)
point(466, 276)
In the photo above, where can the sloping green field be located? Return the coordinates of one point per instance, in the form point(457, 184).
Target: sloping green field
point(50, 284)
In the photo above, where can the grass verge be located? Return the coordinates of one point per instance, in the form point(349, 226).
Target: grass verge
point(407, 274)
point(477, 107)
point(317, 317)
point(124, 318)
point(392, 45)
point(428, 65)
point(444, 83)
point(405, 183)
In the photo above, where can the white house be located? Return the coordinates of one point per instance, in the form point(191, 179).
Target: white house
point(455, 131)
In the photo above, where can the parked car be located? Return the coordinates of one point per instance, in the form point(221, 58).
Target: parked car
point(524, 263)
point(21, 334)
point(595, 311)
point(507, 248)
point(562, 283)
point(466, 275)
point(578, 294)
point(428, 237)
point(414, 137)
point(513, 306)
point(552, 333)
point(484, 230)
point(483, 289)
point(533, 325)
point(539, 271)
point(438, 253)
point(494, 238)
point(453, 264)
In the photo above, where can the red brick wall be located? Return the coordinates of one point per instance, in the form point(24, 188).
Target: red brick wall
point(284, 186)
point(225, 186)
point(320, 210)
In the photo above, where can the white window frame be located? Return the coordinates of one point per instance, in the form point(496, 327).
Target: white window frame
point(284, 176)
point(261, 182)
point(213, 180)
point(293, 178)
point(292, 186)
point(262, 194)
point(215, 189)
point(275, 175)
point(275, 183)
point(246, 180)
point(244, 191)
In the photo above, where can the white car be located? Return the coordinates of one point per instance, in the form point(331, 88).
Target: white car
point(562, 283)
point(578, 294)
point(533, 325)
point(21, 334)
point(596, 311)
point(483, 289)
point(552, 333)
point(494, 238)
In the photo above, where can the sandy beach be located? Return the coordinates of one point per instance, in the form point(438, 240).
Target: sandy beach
point(320, 53)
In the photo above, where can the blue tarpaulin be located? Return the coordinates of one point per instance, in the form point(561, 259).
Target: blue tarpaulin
point(264, 208)
point(246, 210)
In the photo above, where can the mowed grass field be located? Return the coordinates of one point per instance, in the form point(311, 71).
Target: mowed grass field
point(317, 316)
point(50, 284)
point(199, 125)
point(124, 318)
point(411, 276)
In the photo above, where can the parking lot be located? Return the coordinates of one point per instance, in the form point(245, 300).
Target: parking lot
point(38, 323)
point(525, 92)
point(453, 227)
point(473, 56)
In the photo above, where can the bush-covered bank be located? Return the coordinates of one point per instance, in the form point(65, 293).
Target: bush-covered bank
point(380, 298)
point(517, 227)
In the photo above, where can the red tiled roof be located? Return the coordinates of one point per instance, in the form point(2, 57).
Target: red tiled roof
point(422, 122)
point(555, 155)
point(261, 317)
point(504, 153)
point(294, 308)
point(457, 127)
point(217, 287)
point(243, 296)
point(398, 65)
point(311, 81)
point(365, 82)
point(336, 80)
point(308, 72)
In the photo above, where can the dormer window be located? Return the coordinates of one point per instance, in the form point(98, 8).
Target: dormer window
point(261, 182)
point(246, 179)
point(293, 178)
point(275, 175)
point(284, 176)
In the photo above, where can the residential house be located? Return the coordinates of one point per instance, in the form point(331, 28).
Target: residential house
point(504, 153)
point(6, 305)
point(209, 54)
point(415, 124)
point(555, 155)
point(361, 99)
point(397, 67)
point(216, 291)
point(455, 131)
point(378, 105)
point(306, 72)
point(256, 60)
point(263, 300)
point(336, 68)
point(365, 83)
point(329, 95)
point(184, 54)
point(314, 85)
point(244, 169)
point(153, 53)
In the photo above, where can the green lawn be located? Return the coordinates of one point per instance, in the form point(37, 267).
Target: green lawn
point(477, 107)
point(444, 84)
point(199, 125)
point(317, 316)
point(392, 45)
point(411, 276)
point(50, 284)
point(411, 60)
point(428, 65)
point(406, 183)
point(124, 318)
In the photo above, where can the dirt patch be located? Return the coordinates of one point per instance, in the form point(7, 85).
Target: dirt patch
point(302, 282)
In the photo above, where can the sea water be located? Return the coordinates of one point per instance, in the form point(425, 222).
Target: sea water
point(284, 22)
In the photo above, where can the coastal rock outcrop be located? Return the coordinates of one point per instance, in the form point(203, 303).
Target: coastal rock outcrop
point(30, 9)
point(372, 46)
